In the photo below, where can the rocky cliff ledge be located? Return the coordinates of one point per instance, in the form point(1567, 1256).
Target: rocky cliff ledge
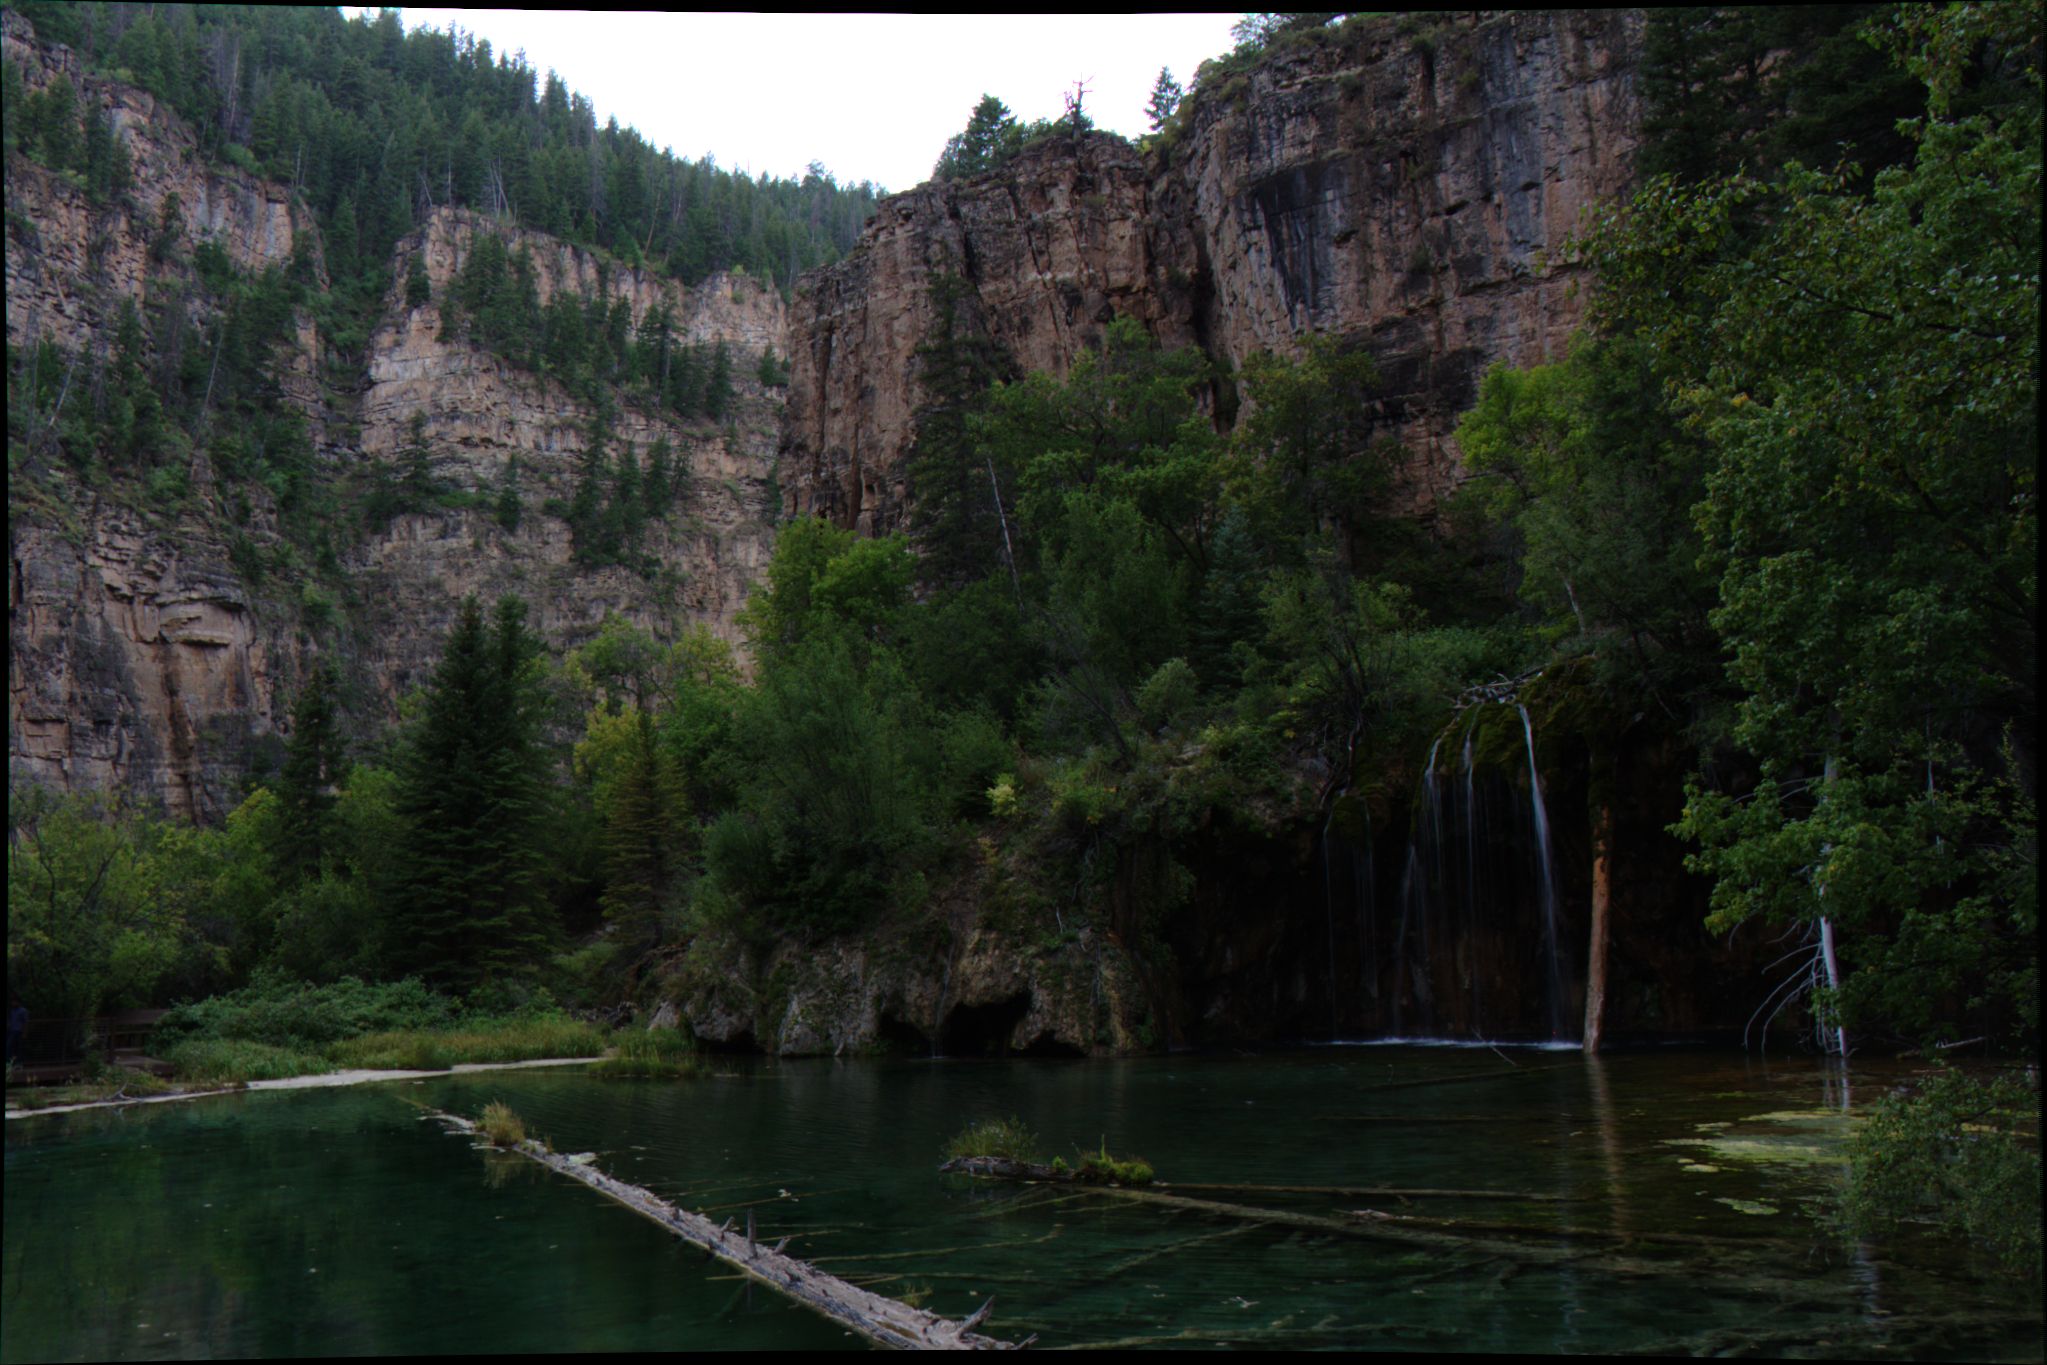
point(144, 654)
point(966, 981)
point(1407, 184)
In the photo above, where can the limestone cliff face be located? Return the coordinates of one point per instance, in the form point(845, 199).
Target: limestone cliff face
point(135, 661)
point(981, 989)
point(143, 654)
point(482, 412)
point(1054, 246)
point(1409, 189)
point(70, 264)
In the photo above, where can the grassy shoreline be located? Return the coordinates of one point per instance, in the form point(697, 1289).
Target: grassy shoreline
point(202, 1064)
point(103, 1095)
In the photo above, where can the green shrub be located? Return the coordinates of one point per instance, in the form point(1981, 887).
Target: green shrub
point(290, 1014)
point(113, 1082)
point(404, 1050)
point(1962, 1154)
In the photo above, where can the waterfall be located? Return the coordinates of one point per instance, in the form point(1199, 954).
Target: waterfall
point(1461, 921)
point(1329, 906)
point(1549, 883)
point(1471, 901)
point(1364, 891)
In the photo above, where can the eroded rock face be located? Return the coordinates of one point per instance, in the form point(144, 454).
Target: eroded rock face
point(135, 663)
point(480, 413)
point(991, 994)
point(1053, 247)
point(69, 264)
point(143, 655)
point(1412, 191)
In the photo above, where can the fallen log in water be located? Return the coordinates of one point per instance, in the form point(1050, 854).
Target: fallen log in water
point(883, 1321)
point(1533, 1247)
point(1005, 1168)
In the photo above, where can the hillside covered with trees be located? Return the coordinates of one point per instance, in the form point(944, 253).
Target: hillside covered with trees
point(1162, 624)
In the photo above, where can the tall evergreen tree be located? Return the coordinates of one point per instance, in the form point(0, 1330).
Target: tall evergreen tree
point(313, 769)
point(642, 845)
point(955, 492)
point(991, 137)
point(718, 388)
point(1165, 98)
point(471, 781)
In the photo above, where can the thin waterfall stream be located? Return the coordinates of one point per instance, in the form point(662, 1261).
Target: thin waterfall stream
point(1549, 882)
point(1460, 962)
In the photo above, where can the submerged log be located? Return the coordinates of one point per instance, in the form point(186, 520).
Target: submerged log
point(1532, 1245)
point(883, 1321)
point(1005, 1168)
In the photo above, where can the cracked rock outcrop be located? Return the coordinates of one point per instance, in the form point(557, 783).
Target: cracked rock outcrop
point(1409, 185)
point(149, 651)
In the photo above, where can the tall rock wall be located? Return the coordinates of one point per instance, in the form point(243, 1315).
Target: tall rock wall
point(145, 655)
point(1405, 184)
point(481, 412)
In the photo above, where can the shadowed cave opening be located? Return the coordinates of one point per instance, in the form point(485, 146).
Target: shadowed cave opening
point(985, 1031)
point(741, 1041)
point(899, 1039)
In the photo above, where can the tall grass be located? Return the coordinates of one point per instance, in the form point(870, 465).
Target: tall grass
point(667, 1054)
point(229, 1061)
point(503, 1127)
point(1005, 1138)
point(484, 1040)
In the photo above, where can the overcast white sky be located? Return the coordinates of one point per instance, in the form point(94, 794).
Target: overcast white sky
point(872, 96)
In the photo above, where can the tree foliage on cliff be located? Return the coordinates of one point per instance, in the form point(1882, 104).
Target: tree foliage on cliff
point(1833, 373)
point(374, 125)
point(1866, 373)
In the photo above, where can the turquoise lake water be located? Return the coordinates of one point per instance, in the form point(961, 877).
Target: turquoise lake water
point(1657, 1201)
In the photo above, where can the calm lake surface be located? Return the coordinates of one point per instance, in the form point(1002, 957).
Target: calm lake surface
point(1656, 1201)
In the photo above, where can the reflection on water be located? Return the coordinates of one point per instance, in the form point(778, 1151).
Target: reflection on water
point(1514, 1203)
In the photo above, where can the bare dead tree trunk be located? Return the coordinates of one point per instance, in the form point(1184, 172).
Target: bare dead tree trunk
point(1595, 953)
point(1008, 550)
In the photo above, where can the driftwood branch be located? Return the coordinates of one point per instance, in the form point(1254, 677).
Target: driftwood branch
point(883, 1321)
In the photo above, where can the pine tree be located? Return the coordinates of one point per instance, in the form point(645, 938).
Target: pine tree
point(627, 512)
point(657, 491)
point(507, 506)
point(60, 124)
point(642, 845)
point(1229, 605)
point(686, 381)
point(416, 484)
point(991, 137)
point(313, 768)
point(718, 388)
point(418, 289)
point(956, 511)
point(1165, 98)
point(471, 781)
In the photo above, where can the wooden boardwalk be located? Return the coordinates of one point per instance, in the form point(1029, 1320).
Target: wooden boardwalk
point(883, 1321)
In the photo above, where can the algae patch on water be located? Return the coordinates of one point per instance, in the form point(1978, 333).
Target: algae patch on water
point(1784, 1137)
point(1748, 1206)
